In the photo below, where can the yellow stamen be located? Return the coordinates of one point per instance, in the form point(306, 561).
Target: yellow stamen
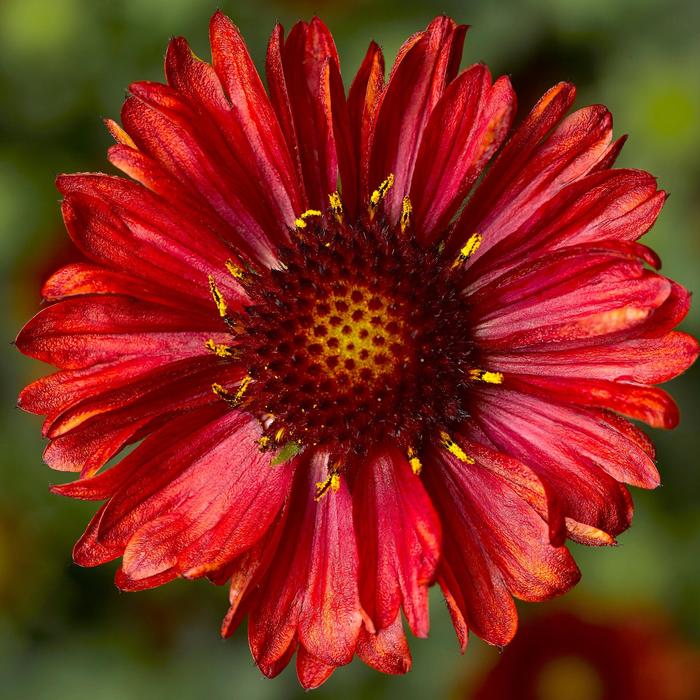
point(336, 206)
point(414, 461)
point(484, 375)
point(406, 210)
point(451, 446)
point(300, 221)
point(263, 442)
point(218, 348)
point(242, 387)
point(222, 393)
point(379, 194)
point(237, 272)
point(226, 395)
point(218, 297)
point(332, 483)
point(469, 248)
point(280, 434)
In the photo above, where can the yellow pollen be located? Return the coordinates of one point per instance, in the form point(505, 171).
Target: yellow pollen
point(218, 297)
point(300, 221)
point(406, 210)
point(483, 375)
point(242, 387)
point(218, 348)
point(332, 483)
point(336, 206)
point(380, 193)
point(263, 442)
point(469, 248)
point(451, 446)
point(232, 399)
point(414, 461)
point(237, 272)
point(222, 393)
point(279, 434)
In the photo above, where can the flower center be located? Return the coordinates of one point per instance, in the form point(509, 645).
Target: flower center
point(360, 335)
point(357, 335)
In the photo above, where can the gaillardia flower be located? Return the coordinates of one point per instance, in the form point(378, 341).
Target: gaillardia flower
point(363, 343)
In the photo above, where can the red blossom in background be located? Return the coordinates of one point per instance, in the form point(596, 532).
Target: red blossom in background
point(566, 655)
point(347, 384)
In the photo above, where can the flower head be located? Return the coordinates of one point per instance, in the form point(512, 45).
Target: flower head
point(349, 370)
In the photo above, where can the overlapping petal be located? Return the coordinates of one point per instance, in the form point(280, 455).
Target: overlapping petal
point(166, 515)
point(496, 543)
point(400, 535)
point(426, 64)
point(311, 590)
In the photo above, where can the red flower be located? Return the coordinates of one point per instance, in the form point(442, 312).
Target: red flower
point(562, 655)
point(345, 383)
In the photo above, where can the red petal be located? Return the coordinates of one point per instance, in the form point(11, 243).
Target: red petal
point(648, 404)
point(274, 668)
point(536, 172)
point(146, 391)
point(617, 205)
point(311, 586)
point(279, 98)
point(422, 70)
point(78, 333)
point(400, 535)
point(578, 296)
point(56, 392)
point(523, 481)
point(246, 572)
point(610, 156)
point(605, 446)
point(575, 453)
point(466, 127)
point(106, 484)
point(592, 440)
point(477, 597)
point(363, 100)
point(338, 127)
point(92, 442)
point(118, 134)
point(109, 218)
point(151, 174)
point(510, 532)
point(669, 314)
point(311, 671)
point(79, 279)
point(457, 609)
point(124, 583)
point(386, 650)
point(642, 360)
point(164, 127)
point(88, 551)
point(515, 155)
point(330, 619)
point(298, 91)
point(266, 153)
point(173, 518)
point(568, 154)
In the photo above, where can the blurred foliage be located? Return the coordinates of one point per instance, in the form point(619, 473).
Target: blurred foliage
point(67, 632)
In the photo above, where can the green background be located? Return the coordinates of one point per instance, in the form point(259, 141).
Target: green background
point(67, 632)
